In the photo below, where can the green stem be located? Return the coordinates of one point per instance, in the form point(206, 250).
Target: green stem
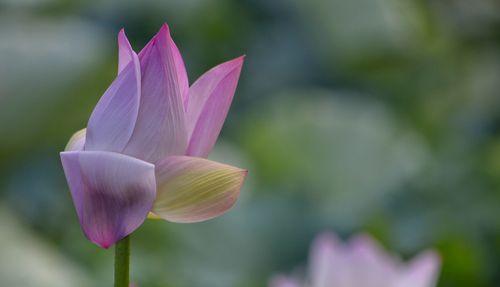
point(122, 260)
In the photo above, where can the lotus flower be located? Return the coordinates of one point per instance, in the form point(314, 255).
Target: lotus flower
point(361, 263)
point(146, 141)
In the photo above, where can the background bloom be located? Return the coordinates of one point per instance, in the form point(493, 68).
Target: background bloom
point(143, 148)
point(361, 262)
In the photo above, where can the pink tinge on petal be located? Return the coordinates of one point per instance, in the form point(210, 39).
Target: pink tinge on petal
point(422, 271)
point(112, 122)
point(370, 263)
point(284, 281)
point(182, 76)
point(325, 248)
point(180, 68)
point(369, 251)
point(125, 51)
point(112, 193)
point(160, 128)
point(362, 262)
point(208, 104)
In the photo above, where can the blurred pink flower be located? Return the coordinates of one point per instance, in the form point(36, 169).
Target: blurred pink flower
point(361, 262)
point(144, 146)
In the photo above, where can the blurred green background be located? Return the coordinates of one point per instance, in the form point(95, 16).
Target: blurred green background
point(351, 115)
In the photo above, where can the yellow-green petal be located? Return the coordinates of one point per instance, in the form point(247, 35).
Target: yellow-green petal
point(192, 189)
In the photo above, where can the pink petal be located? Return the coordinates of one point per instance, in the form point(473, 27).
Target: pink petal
point(208, 104)
point(367, 249)
point(112, 193)
point(283, 281)
point(182, 76)
point(325, 249)
point(160, 130)
point(422, 271)
point(124, 51)
point(113, 119)
point(193, 189)
point(180, 68)
point(369, 263)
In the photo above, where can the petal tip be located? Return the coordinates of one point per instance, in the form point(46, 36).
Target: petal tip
point(165, 28)
point(122, 38)
point(104, 245)
point(235, 63)
point(163, 33)
point(240, 58)
point(244, 174)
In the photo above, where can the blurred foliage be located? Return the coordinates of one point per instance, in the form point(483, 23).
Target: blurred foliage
point(351, 115)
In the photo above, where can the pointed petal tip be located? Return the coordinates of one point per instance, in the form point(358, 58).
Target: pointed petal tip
point(122, 39)
point(113, 119)
point(160, 129)
point(209, 100)
point(240, 58)
point(234, 63)
point(104, 245)
point(165, 28)
point(323, 247)
point(365, 243)
point(163, 33)
point(423, 270)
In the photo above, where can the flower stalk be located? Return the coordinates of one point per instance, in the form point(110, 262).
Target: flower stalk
point(122, 260)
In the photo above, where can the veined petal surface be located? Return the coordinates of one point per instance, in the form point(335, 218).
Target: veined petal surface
point(112, 193)
point(113, 120)
point(209, 99)
point(160, 129)
point(193, 189)
point(180, 68)
point(77, 141)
